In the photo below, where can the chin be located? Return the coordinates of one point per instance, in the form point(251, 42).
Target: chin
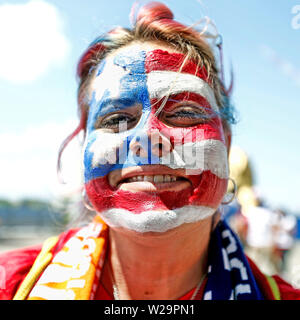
point(155, 221)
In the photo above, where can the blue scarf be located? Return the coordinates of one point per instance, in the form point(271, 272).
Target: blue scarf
point(229, 274)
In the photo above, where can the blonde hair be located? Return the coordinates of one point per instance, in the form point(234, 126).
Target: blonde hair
point(153, 22)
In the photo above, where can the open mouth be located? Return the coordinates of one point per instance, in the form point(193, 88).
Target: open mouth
point(153, 178)
point(149, 178)
point(153, 183)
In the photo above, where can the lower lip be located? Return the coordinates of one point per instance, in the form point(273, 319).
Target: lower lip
point(146, 186)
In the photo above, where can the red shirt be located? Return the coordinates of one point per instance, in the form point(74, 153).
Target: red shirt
point(14, 266)
point(102, 294)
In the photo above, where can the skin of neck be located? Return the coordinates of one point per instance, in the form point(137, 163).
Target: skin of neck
point(157, 266)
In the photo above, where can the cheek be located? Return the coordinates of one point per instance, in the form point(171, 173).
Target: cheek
point(88, 158)
point(212, 129)
point(204, 131)
point(208, 187)
point(201, 132)
point(98, 160)
point(203, 151)
point(100, 154)
point(201, 147)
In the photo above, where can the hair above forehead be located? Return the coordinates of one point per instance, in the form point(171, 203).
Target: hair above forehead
point(153, 22)
point(151, 12)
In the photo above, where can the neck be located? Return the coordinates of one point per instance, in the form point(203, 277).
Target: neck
point(154, 266)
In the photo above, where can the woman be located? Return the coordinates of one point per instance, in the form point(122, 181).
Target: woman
point(156, 119)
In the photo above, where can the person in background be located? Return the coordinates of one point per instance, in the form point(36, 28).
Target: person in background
point(284, 234)
point(260, 239)
point(149, 98)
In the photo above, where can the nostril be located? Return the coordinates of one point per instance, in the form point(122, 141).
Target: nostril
point(161, 149)
point(154, 143)
point(138, 151)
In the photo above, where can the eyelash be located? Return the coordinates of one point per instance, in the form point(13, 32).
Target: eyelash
point(195, 115)
point(189, 117)
point(186, 114)
point(112, 122)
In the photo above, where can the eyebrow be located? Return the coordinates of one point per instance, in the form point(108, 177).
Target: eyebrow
point(166, 83)
point(108, 104)
point(192, 97)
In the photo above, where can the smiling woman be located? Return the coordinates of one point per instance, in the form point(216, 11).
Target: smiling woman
point(154, 144)
point(156, 119)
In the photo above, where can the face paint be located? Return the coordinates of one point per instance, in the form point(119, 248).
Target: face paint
point(132, 85)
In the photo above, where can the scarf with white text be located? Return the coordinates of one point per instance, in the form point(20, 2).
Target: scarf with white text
point(73, 273)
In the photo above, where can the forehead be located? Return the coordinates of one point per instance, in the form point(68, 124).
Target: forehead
point(159, 70)
point(126, 66)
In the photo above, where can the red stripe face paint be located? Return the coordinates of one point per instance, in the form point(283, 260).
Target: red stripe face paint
point(170, 164)
point(160, 60)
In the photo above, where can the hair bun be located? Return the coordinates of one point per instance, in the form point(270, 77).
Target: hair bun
point(153, 11)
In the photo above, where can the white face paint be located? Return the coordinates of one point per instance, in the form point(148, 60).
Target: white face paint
point(165, 83)
point(155, 221)
point(194, 157)
point(189, 145)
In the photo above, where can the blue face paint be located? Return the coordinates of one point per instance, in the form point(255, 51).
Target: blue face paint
point(132, 87)
point(132, 90)
point(120, 91)
point(100, 68)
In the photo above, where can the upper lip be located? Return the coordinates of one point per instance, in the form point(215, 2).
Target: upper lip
point(115, 177)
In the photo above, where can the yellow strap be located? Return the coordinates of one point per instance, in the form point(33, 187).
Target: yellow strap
point(40, 263)
point(274, 287)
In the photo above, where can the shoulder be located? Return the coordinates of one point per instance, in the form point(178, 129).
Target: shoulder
point(15, 265)
point(273, 287)
point(287, 291)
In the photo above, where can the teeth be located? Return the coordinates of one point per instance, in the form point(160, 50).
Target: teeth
point(158, 179)
point(148, 178)
point(167, 178)
point(155, 178)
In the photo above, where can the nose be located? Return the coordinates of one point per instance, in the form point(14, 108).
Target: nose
point(151, 143)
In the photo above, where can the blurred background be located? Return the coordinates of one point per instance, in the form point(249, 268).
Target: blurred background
point(41, 42)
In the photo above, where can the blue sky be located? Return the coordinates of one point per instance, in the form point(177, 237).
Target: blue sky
point(41, 42)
